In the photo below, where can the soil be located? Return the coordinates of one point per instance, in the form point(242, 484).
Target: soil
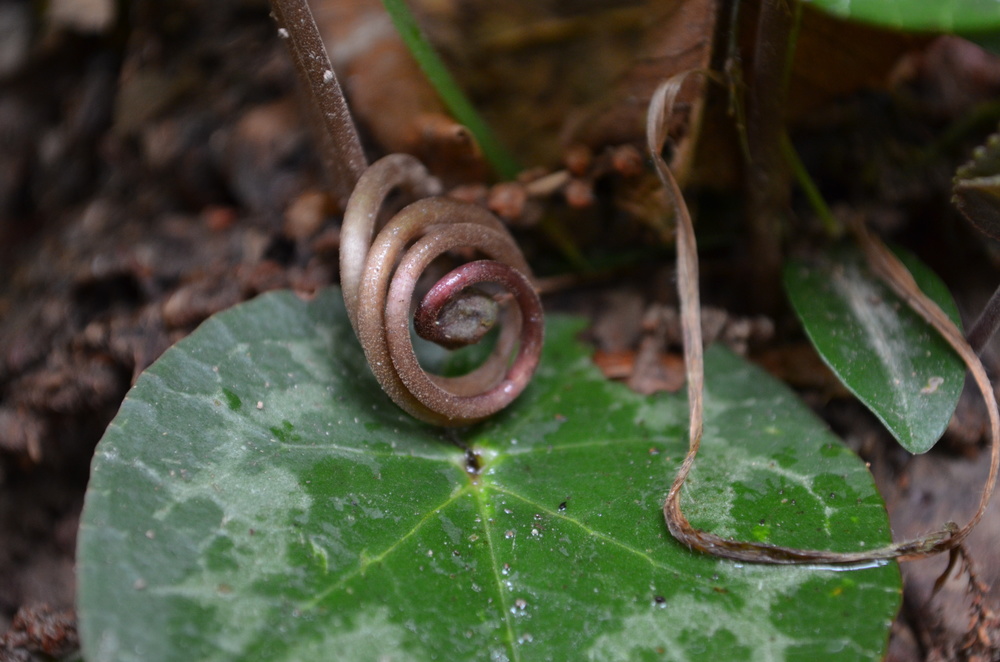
point(155, 169)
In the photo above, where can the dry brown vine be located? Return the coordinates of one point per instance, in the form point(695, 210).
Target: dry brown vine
point(894, 274)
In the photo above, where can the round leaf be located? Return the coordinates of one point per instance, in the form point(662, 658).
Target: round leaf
point(881, 350)
point(259, 498)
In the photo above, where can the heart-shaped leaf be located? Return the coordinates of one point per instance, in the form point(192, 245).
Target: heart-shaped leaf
point(259, 498)
point(881, 350)
point(973, 16)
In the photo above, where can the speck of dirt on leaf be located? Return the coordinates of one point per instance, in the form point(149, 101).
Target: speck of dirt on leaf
point(932, 385)
point(473, 462)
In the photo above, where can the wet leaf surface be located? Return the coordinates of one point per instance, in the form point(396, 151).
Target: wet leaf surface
point(259, 498)
point(881, 350)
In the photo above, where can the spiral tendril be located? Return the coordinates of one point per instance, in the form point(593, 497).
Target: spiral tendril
point(379, 277)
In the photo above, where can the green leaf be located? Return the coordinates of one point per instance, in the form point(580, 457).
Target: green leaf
point(882, 351)
point(259, 498)
point(973, 16)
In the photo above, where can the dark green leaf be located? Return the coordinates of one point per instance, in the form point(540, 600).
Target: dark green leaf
point(882, 351)
point(987, 40)
point(259, 498)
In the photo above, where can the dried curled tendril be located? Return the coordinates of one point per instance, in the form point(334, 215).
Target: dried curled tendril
point(379, 277)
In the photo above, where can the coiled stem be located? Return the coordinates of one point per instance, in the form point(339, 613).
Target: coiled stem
point(379, 278)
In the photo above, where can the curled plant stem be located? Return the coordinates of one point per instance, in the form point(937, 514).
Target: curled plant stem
point(379, 278)
point(895, 275)
point(342, 153)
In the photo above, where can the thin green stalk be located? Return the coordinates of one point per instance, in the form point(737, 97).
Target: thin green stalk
point(502, 161)
point(735, 82)
point(563, 240)
point(832, 226)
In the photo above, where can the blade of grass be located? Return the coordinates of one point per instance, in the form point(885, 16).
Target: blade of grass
point(830, 223)
point(502, 161)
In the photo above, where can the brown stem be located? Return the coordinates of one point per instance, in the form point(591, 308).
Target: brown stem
point(379, 278)
point(768, 174)
point(342, 153)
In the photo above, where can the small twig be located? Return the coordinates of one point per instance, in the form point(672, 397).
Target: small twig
point(342, 153)
point(982, 636)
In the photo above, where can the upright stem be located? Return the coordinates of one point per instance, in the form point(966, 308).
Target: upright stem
point(341, 153)
point(768, 176)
